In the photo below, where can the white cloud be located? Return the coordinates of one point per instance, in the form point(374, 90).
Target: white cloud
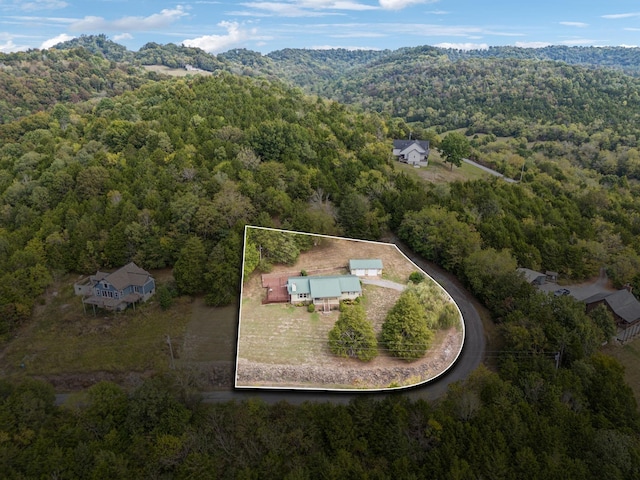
point(335, 5)
point(303, 8)
point(38, 5)
point(234, 37)
point(616, 16)
point(628, 46)
point(9, 47)
point(532, 44)
point(63, 37)
point(400, 4)
point(44, 21)
point(358, 35)
point(122, 36)
point(574, 24)
point(578, 41)
point(130, 24)
point(463, 46)
point(277, 9)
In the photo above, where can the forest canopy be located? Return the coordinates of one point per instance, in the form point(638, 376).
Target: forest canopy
point(101, 164)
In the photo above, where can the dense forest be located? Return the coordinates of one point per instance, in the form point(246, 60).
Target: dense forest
point(167, 172)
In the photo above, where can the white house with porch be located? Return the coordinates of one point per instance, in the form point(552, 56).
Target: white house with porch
point(412, 152)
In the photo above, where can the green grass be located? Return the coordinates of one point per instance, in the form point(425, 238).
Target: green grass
point(629, 356)
point(440, 172)
point(283, 334)
point(61, 338)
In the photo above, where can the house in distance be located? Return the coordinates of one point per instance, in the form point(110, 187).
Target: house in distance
point(116, 291)
point(412, 152)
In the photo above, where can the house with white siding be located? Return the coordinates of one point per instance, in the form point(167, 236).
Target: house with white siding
point(412, 152)
point(368, 267)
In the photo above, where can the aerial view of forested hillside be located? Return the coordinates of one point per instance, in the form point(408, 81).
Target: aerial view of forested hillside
point(103, 163)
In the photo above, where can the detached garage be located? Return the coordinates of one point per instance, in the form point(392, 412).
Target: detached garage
point(366, 267)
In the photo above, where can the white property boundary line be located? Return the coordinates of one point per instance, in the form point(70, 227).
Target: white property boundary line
point(339, 390)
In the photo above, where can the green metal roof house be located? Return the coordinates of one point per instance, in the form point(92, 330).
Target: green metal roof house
point(370, 267)
point(324, 292)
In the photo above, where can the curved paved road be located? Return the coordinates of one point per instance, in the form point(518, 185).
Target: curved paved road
point(474, 340)
point(470, 358)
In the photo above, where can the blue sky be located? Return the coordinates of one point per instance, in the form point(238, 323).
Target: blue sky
point(267, 25)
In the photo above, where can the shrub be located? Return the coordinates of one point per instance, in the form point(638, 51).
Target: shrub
point(416, 277)
point(448, 317)
point(164, 297)
point(311, 308)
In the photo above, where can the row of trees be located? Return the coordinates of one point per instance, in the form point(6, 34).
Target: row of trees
point(582, 424)
point(408, 329)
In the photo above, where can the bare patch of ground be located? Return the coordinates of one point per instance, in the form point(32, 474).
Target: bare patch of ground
point(280, 345)
point(174, 72)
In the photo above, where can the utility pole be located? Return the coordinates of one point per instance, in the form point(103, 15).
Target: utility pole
point(173, 364)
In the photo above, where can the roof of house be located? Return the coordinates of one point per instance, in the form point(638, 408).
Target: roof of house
point(130, 274)
point(622, 302)
point(403, 144)
point(365, 263)
point(530, 275)
point(324, 287)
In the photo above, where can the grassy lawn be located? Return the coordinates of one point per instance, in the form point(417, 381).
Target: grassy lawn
point(438, 171)
point(61, 338)
point(629, 356)
point(283, 334)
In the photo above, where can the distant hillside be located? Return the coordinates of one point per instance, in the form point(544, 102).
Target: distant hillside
point(500, 96)
point(35, 80)
point(618, 58)
point(313, 68)
point(501, 90)
point(99, 45)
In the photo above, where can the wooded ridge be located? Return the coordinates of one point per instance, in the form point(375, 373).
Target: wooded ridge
point(102, 163)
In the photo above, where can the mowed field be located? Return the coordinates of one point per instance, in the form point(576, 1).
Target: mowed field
point(285, 335)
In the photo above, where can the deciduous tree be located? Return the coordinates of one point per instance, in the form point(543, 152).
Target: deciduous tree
point(455, 147)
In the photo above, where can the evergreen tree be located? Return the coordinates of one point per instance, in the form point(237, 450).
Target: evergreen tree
point(353, 335)
point(189, 269)
point(405, 332)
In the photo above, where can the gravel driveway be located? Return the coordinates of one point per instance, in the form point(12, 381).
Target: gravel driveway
point(383, 283)
point(582, 291)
